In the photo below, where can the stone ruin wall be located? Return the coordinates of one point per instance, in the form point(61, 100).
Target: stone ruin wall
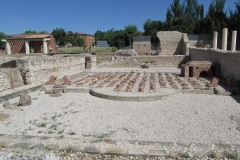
point(171, 42)
point(151, 61)
point(228, 61)
point(38, 69)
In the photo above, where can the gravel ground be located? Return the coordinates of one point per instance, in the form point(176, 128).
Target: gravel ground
point(182, 118)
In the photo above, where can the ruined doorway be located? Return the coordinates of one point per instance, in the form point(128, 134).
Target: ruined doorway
point(204, 74)
point(87, 62)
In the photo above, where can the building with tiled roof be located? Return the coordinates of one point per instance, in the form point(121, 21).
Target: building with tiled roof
point(30, 43)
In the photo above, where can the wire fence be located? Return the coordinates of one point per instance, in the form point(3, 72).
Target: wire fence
point(142, 39)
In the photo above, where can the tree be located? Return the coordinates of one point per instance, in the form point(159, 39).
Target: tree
point(181, 24)
point(151, 27)
point(2, 36)
point(217, 6)
point(118, 39)
point(129, 32)
point(205, 26)
point(60, 36)
point(193, 10)
point(108, 36)
point(30, 32)
point(99, 35)
point(43, 31)
point(234, 19)
point(169, 15)
point(175, 10)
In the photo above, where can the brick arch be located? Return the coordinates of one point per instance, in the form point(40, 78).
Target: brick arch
point(198, 70)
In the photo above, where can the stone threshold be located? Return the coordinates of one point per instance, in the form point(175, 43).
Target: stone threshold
point(13, 93)
point(119, 147)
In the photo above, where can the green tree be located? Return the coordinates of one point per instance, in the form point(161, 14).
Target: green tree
point(205, 26)
point(129, 32)
point(118, 39)
point(99, 35)
point(175, 10)
point(169, 15)
point(151, 27)
point(234, 19)
point(43, 31)
point(108, 36)
point(216, 6)
point(30, 32)
point(2, 36)
point(193, 10)
point(60, 36)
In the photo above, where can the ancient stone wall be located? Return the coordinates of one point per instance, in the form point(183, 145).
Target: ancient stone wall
point(137, 61)
point(171, 42)
point(186, 44)
point(38, 69)
point(228, 61)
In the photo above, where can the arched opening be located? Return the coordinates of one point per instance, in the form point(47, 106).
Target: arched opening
point(204, 74)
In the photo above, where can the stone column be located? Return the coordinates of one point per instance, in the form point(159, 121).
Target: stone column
point(224, 39)
point(27, 47)
point(8, 47)
point(215, 39)
point(234, 39)
point(45, 49)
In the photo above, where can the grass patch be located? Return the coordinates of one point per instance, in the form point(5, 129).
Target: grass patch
point(42, 125)
point(55, 116)
point(212, 155)
point(60, 132)
point(50, 132)
point(100, 136)
point(231, 156)
point(54, 126)
point(72, 133)
point(93, 50)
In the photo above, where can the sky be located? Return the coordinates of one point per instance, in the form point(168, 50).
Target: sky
point(85, 16)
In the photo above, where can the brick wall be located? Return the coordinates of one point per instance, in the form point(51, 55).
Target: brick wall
point(228, 61)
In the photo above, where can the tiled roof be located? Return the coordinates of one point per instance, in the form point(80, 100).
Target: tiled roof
point(26, 36)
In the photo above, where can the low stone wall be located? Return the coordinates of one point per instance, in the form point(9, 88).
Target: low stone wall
point(137, 61)
point(228, 61)
point(38, 69)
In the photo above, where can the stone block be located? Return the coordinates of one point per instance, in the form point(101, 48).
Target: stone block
point(135, 152)
point(57, 91)
point(52, 147)
point(157, 153)
point(4, 144)
point(114, 150)
point(49, 92)
point(25, 100)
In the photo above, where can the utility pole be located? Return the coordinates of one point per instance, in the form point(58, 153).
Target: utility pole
point(81, 28)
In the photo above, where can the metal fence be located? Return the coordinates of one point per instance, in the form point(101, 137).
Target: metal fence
point(142, 39)
point(102, 44)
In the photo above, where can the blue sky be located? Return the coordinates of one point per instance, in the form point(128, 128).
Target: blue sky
point(85, 16)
